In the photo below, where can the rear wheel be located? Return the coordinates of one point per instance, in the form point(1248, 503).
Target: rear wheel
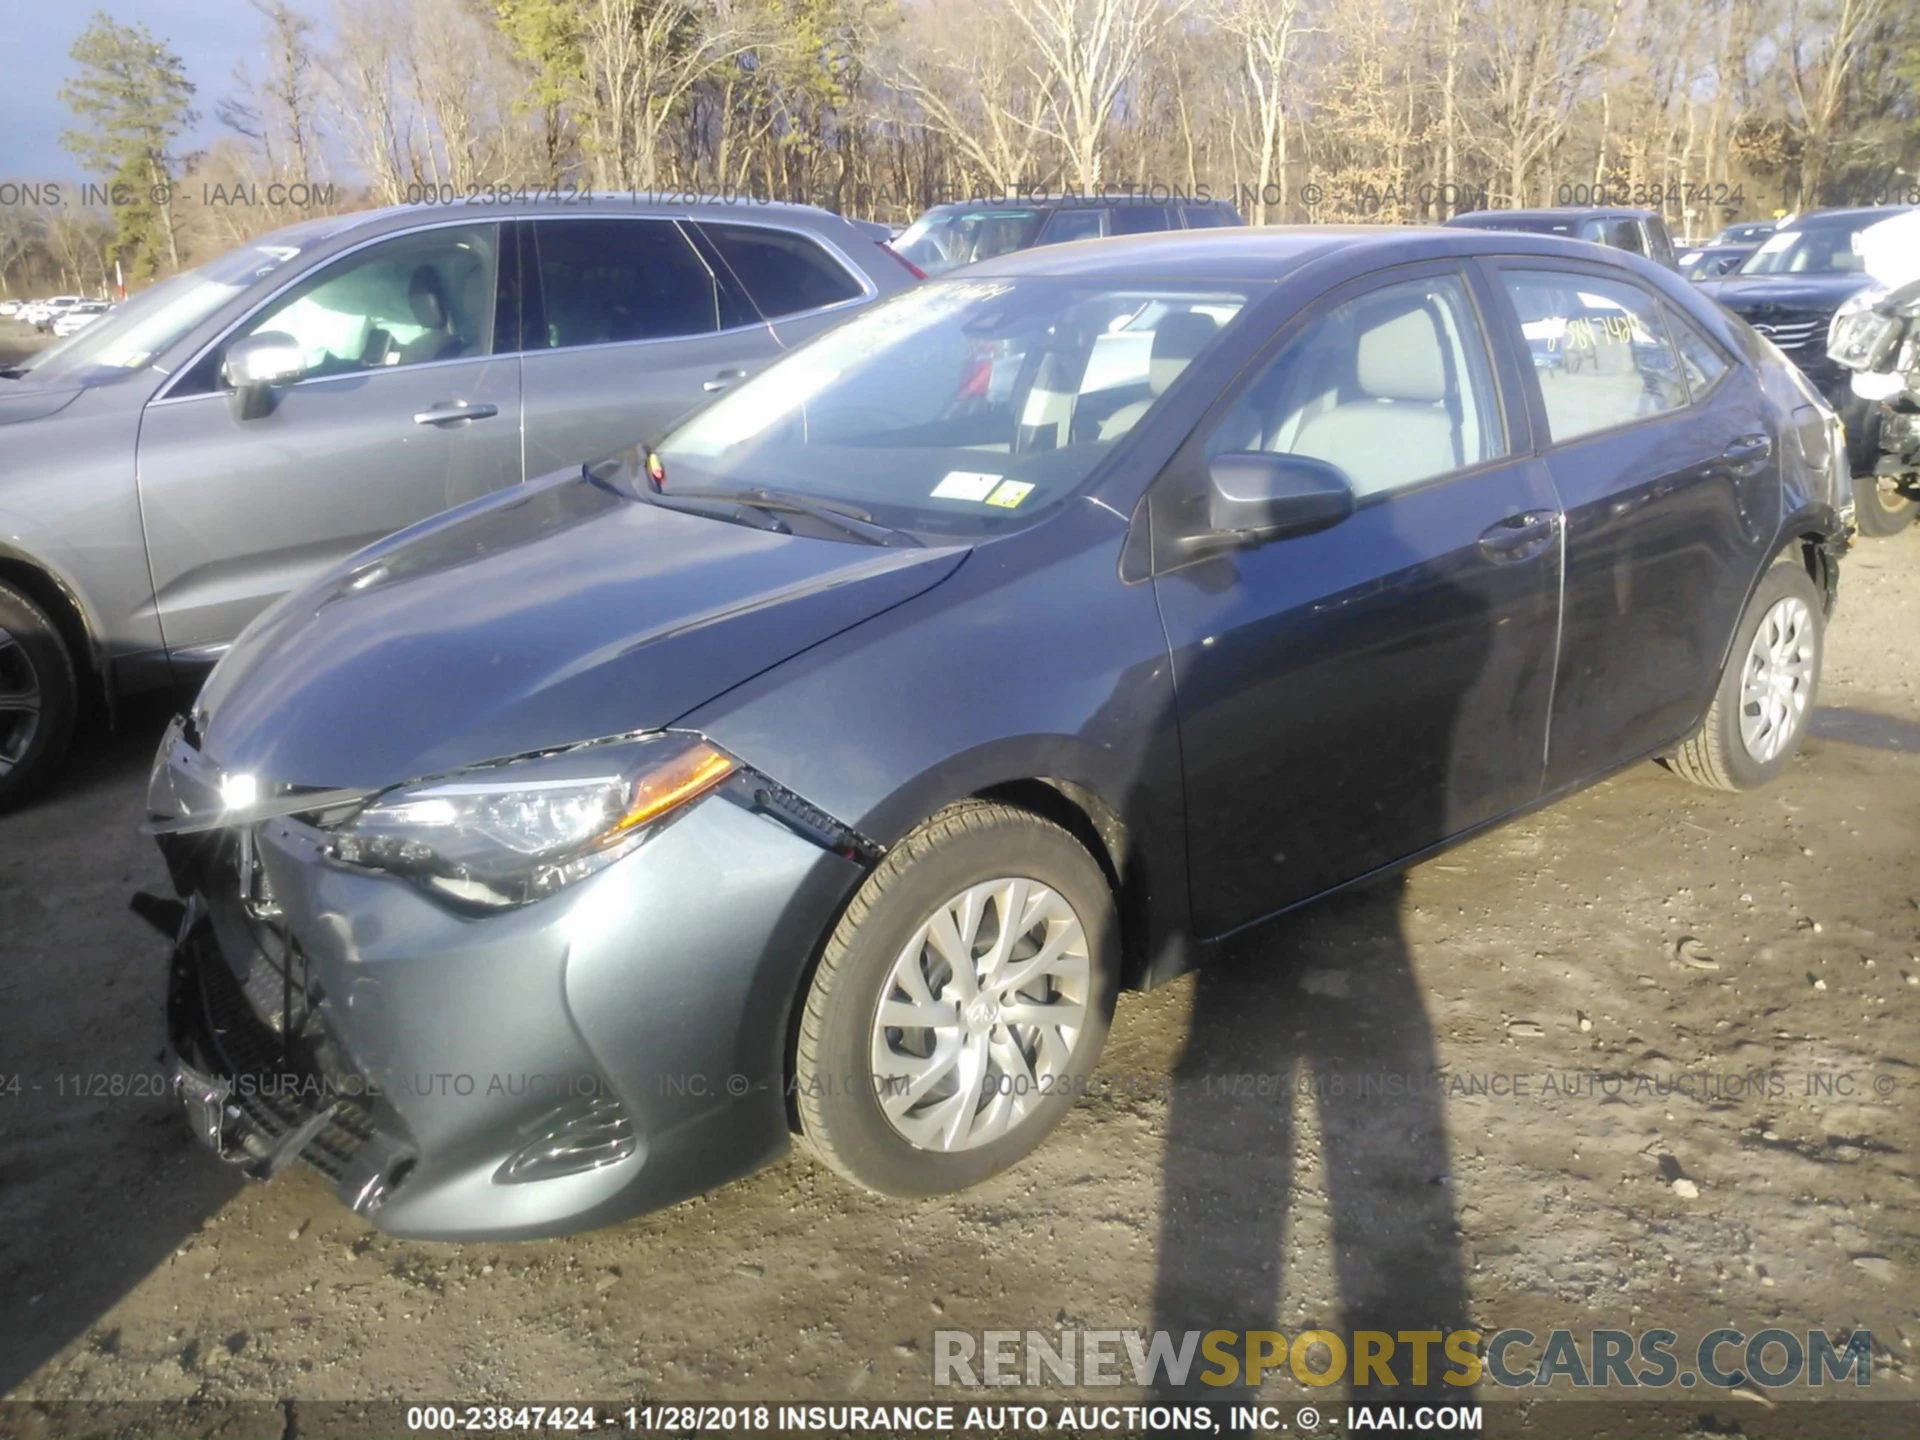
point(1765, 700)
point(38, 696)
point(1880, 507)
point(961, 1004)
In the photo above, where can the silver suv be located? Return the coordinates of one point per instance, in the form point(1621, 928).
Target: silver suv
point(172, 469)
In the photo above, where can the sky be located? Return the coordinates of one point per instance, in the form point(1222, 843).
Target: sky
point(211, 36)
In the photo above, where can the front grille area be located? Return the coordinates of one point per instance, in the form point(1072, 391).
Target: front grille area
point(1791, 329)
point(273, 1087)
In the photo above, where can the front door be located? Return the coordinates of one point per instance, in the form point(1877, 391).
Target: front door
point(1352, 696)
point(405, 410)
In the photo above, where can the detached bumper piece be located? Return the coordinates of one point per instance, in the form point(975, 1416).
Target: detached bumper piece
point(255, 1097)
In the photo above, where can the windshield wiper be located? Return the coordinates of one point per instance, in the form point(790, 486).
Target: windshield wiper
point(844, 518)
point(760, 517)
point(12, 372)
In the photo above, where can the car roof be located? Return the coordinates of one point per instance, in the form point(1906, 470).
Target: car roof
point(1843, 215)
point(1492, 218)
point(1056, 202)
point(1267, 252)
point(638, 205)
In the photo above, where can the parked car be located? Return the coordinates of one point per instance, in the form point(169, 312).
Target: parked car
point(173, 468)
point(1746, 232)
point(78, 317)
point(1875, 337)
point(1789, 290)
point(949, 236)
point(9, 309)
point(41, 313)
point(849, 748)
point(1709, 262)
point(50, 310)
point(1638, 232)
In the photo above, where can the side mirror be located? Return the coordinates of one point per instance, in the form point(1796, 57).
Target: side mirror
point(255, 365)
point(1261, 495)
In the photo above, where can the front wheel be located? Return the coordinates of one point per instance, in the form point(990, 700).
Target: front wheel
point(38, 696)
point(1765, 700)
point(960, 1005)
point(1880, 507)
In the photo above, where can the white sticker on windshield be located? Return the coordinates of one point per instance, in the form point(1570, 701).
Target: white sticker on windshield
point(965, 485)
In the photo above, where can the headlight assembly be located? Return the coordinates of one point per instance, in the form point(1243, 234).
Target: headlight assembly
point(515, 831)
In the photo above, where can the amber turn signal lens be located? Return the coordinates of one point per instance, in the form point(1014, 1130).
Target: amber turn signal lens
point(688, 775)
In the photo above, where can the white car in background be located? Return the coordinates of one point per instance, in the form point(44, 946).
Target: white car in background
point(78, 317)
point(10, 308)
point(42, 313)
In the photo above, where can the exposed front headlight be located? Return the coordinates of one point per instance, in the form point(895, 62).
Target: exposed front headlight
point(515, 831)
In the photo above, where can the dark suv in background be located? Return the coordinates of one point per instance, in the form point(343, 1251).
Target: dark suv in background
point(949, 236)
point(1639, 232)
point(1789, 289)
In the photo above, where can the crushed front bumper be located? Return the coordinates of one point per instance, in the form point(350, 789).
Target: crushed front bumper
point(613, 1048)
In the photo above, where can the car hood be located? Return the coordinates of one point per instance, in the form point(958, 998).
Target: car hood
point(565, 611)
point(22, 399)
point(1741, 293)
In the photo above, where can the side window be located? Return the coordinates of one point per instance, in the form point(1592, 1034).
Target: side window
point(784, 272)
point(1141, 219)
point(1075, 222)
point(1700, 358)
point(606, 281)
point(1205, 217)
point(1394, 387)
point(406, 301)
point(1599, 350)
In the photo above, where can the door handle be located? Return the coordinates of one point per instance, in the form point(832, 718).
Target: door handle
point(722, 380)
point(447, 414)
point(1519, 536)
point(1748, 450)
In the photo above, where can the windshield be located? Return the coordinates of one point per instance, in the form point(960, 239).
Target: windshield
point(957, 408)
point(1816, 250)
point(944, 240)
point(129, 336)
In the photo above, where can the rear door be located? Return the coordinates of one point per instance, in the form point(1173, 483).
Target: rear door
point(629, 329)
point(1661, 452)
point(410, 405)
point(1354, 695)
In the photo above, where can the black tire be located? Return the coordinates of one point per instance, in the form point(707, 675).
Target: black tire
point(838, 1096)
point(33, 663)
point(1716, 755)
point(1881, 512)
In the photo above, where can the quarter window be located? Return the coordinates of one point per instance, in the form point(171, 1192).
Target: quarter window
point(607, 281)
point(785, 273)
point(1599, 349)
point(1392, 386)
point(406, 301)
point(1700, 358)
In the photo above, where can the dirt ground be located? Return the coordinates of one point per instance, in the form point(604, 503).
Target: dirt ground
point(1671, 939)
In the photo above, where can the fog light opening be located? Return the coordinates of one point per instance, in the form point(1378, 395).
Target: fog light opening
point(589, 1135)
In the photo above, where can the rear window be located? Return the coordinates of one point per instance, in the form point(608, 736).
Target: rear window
point(784, 272)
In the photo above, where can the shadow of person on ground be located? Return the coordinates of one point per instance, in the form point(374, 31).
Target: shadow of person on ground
point(1336, 1032)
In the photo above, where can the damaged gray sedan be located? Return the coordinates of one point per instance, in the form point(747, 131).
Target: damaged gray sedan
point(827, 767)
